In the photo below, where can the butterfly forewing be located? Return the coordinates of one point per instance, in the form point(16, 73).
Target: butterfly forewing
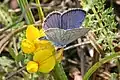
point(53, 20)
point(69, 19)
point(72, 18)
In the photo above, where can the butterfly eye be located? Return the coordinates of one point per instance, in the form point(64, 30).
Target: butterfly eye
point(58, 49)
point(43, 38)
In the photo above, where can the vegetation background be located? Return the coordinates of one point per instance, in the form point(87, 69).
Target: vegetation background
point(97, 57)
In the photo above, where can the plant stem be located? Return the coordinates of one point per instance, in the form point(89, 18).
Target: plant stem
point(58, 72)
point(40, 12)
point(25, 8)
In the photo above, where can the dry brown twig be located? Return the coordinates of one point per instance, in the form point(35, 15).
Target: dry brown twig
point(13, 73)
point(94, 43)
point(10, 35)
point(4, 45)
point(76, 45)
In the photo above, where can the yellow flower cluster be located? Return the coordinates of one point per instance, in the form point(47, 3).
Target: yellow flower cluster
point(32, 34)
point(44, 57)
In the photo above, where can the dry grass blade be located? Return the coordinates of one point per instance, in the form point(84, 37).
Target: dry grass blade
point(10, 35)
point(94, 43)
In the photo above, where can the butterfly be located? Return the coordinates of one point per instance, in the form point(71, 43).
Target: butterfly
point(64, 28)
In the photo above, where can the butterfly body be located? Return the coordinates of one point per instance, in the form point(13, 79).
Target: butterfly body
point(63, 28)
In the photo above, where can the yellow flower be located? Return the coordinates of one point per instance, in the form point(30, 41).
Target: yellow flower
point(44, 44)
point(32, 67)
point(44, 57)
point(46, 60)
point(32, 34)
point(27, 46)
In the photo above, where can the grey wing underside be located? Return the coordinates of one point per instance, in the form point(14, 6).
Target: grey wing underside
point(55, 35)
point(64, 37)
point(74, 34)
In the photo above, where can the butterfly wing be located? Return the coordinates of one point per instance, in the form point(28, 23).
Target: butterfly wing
point(72, 18)
point(73, 34)
point(63, 37)
point(55, 35)
point(53, 20)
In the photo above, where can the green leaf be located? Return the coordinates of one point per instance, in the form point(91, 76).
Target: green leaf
point(98, 64)
point(58, 72)
point(19, 57)
point(12, 53)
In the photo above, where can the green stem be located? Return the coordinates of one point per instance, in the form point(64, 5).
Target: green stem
point(98, 64)
point(58, 72)
point(40, 12)
point(98, 18)
point(99, 21)
point(25, 8)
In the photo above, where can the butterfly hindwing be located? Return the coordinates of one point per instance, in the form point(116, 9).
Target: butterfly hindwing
point(72, 18)
point(74, 34)
point(54, 35)
point(53, 20)
point(63, 37)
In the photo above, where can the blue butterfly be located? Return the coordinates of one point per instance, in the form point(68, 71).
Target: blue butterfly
point(64, 28)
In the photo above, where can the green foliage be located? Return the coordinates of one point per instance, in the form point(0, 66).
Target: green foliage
point(6, 65)
point(19, 57)
point(99, 64)
point(4, 61)
point(5, 16)
point(28, 14)
point(12, 53)
point(101, 21)
point(113, 76)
